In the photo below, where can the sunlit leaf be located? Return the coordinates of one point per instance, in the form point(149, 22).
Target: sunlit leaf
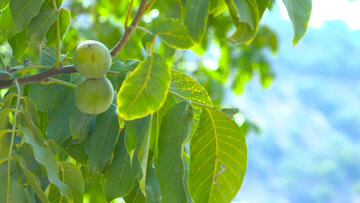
point(144, 90)
point(172, 32)
point(299, 12)
point(64, 23)
point(217, 158)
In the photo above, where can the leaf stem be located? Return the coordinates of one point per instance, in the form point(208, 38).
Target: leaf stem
point(148, 7)
point(129, 30)
point(57, 81)
point(58, 48)
point(128, 14)
point(2, 62)
point(12, 138)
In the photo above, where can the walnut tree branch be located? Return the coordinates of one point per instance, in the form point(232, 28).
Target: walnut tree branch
point(43, 76)
point(126, 37)
point(37, 77)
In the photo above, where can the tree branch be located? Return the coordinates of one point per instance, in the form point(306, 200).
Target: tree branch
point(71, 69)
point(37, 77)
point(126, 37)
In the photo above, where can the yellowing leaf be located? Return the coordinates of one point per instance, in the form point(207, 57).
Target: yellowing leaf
point(144, 90)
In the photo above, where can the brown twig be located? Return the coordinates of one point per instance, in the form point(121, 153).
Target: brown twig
point(71, 69)
point(37, 77)
point(126, 37)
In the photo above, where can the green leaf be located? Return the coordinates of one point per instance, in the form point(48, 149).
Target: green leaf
point(48, 56)
point(196, 16)
point(58, 127)
point(4, 144)
point(144, 90)
point(7, 26)
point(137, 133)
point(122, 68)
point(23, 11)
point(217, 7)
point(172, 32)
point(299, 12)
point(74, 180)
point(153, 193)
point(156, 124)
point(175, 129)
point(17, 192)
point(103, 140)
point(122, 174)
point(76, 150)
point(217, 158)
point(46, 158)
point(246, 18)
point(188, 88)
point(135, 195)
point(4, 119)
point(230, 111)
point(30, 107)
point(18, 44)
point(53, 194)
point(79, 123)
point(3, 4)
point(64, 22)
point(32, 179)
point(40, 24)
point(47, 97)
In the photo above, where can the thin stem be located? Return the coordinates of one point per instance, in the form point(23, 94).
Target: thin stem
point(144, 29)
point(13, 137)
point(153, 45)
point(149, 6)
point(129, 30)
point(28, 68)
point(58, 48)
point(128, 14)
point(2, 62)
point(57, 81)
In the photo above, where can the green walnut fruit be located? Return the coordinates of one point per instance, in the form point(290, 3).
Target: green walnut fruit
point(92, 59)
point(94, 96)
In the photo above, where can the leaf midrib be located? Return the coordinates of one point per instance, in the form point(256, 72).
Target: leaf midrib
point(144, 85)
point(216, 151)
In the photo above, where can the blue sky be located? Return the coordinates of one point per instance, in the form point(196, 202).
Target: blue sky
point(309, 148)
